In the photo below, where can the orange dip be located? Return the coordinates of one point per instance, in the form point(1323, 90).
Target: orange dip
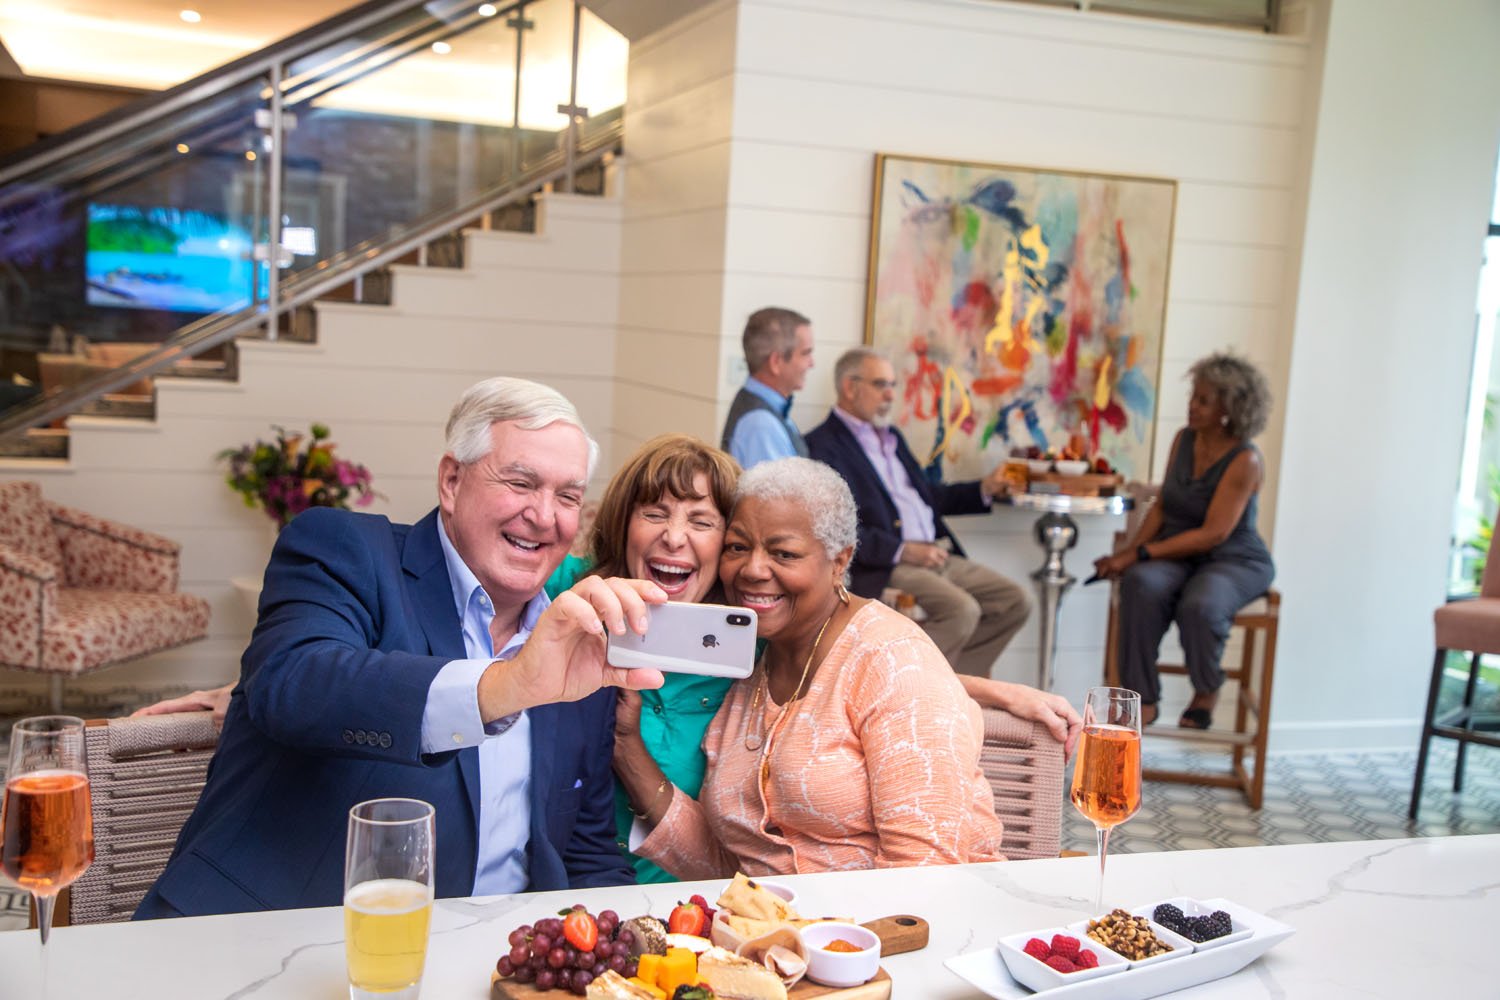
point(839, 944)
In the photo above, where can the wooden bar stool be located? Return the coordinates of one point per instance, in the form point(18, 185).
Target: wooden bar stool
point(1253, 677)
point(1252, 709)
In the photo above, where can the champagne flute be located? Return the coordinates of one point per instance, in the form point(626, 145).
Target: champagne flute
point(47, 818)
point(1107, 775)
point(388, 888)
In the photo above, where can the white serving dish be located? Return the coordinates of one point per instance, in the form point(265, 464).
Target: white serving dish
point(1181, 946)
point(841, 968)
point(1040, 976)
point(1194, 908)
point(1071, 466)
point(986, 972)
point(1039, 466)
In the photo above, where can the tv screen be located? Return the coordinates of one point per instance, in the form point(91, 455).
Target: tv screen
point(166, 258)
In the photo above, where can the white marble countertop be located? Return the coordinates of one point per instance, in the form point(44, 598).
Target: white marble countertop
point(1393, 918)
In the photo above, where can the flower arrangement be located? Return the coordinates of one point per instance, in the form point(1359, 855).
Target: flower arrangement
point(284, 478)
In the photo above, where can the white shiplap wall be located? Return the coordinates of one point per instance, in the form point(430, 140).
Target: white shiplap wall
point(538, 306)
point(678, 117)
point(821, 86)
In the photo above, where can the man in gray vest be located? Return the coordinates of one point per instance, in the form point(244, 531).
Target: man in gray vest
point(778, 351)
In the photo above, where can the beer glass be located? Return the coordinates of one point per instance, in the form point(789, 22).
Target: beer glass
point(388, 888)
point(1107, 774)
point(47, 819)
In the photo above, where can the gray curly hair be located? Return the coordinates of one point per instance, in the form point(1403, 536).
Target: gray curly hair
point(819, 490)
point(1243, 392)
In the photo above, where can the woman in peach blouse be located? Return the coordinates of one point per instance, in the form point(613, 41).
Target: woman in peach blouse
point(852, 745)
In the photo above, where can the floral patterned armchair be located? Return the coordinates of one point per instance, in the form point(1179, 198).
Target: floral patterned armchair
point(79, 593)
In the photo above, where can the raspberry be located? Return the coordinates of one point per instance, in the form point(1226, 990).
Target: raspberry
point(1037, 949)
point(1087, 959)
point(1065, 946)
point(1061, 964)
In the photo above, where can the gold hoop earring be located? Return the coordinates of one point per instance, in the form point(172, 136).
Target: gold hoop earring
point(843, 593)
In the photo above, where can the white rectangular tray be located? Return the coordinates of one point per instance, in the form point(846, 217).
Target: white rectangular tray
point(986, 971)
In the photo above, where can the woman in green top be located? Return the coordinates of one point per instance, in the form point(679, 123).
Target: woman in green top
point(662, 519)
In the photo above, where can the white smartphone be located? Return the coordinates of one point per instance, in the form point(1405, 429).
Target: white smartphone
point(709, 639)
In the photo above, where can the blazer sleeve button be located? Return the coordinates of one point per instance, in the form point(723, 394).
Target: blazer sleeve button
point(348, 736)
point(385, 741)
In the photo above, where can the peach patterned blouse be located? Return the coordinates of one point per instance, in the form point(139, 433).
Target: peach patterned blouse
point(878, 767)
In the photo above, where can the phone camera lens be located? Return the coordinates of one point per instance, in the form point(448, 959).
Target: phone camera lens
point(739, 619)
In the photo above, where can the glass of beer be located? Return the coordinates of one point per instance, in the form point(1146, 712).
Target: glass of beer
point(47, 819)
point(388, 888)
point(1107, 773)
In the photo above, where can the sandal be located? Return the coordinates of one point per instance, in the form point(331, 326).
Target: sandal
point(1195, 718)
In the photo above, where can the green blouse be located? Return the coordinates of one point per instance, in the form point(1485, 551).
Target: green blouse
point(673, 720)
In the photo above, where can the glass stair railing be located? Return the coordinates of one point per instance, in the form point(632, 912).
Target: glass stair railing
point(140, 244)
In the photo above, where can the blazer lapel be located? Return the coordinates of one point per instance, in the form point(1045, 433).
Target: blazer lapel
point(543, 764)
point(432, 593)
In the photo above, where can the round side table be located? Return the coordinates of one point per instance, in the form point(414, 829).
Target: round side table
point(1056, 532)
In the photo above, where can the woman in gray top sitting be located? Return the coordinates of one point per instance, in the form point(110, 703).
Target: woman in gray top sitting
point(1197, 558)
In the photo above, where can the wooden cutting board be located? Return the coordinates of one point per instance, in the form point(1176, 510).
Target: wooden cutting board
point(898, 935)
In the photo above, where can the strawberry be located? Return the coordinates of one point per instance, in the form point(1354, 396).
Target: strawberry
point(687, 918)
point(580, 930)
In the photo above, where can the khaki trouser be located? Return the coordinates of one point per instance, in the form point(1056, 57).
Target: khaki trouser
point(972, 611)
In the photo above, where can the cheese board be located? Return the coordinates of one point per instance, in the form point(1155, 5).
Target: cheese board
point(1089, 484)
point(898, 934)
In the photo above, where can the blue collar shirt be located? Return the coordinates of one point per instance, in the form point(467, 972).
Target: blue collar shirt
point(451, 721)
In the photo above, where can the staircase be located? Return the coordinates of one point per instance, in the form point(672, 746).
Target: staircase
point(541, 305)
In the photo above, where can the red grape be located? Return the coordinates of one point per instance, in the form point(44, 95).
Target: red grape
point(546, 979)
point(517, 937)
point(541, 943)
point(519, 954)
point(586, 960)
point(603, 950)
point(525, 974)
point(609, 915)
point(599, 970)
point(557, 958)
point(504, 966)
point(617, 963)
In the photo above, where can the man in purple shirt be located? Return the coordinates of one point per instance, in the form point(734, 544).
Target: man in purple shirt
point(972, 611)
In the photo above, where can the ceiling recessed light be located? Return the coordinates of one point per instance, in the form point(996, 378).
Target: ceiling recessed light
point(442, 48)
point(488, 10)
point(250, 154)
point(182, 147)
point(190, 16)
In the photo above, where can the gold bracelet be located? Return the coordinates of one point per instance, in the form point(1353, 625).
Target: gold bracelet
point(642, 814)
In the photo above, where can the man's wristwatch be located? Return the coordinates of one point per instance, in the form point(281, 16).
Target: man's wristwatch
point(1142, 554)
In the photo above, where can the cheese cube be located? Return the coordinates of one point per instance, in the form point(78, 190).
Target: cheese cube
point(678, 968)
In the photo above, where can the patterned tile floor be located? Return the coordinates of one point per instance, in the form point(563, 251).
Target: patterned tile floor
point(1309, 797)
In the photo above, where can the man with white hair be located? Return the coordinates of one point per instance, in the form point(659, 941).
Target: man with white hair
point(423, 661)
point(972, 611)
point(778, 349)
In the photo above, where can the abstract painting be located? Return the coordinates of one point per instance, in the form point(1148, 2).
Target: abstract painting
point(1020, 307)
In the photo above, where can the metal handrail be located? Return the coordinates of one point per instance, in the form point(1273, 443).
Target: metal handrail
point(211, 331)
point(142, 113)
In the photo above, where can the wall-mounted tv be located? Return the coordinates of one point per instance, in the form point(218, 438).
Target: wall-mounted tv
point(184, 260)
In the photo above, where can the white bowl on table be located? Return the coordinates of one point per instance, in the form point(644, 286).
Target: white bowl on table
point(1039, 466)
point(1071, 466)
point(1037, 975)
point(1181, 946)
point(1192, 908)
point(841, 968)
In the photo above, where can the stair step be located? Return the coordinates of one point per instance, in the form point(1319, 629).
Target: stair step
point(119, 404)
point(38, 442)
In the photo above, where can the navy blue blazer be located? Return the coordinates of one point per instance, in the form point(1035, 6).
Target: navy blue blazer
point(879, 523)
point(356, 619)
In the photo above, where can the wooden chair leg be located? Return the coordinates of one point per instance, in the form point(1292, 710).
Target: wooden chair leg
point(1427, 717)
point(1467, 721)
point(55, 693)
point(1245, 691)
point(1263, 715)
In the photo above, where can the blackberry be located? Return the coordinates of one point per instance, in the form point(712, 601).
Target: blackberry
point(1167, 914)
